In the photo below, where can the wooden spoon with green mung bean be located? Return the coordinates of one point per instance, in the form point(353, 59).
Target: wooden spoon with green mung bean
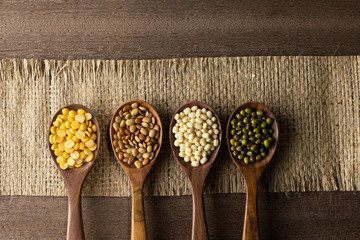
point(197, 175)
point(252, 172)
point(137, 175)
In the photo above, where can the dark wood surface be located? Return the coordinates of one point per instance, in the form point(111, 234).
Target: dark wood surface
point(293, 216)
point(114, 29)
point(109, 29)
point(252, 172)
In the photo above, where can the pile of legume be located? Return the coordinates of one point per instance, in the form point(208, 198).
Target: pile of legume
point(251, 135)
point(136, 135)
point(196, 133)
point(73, 136)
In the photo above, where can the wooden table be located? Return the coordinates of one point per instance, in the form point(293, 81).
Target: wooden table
point(69, 29)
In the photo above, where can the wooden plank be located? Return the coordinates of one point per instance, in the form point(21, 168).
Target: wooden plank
point(313, 215)
point(112, 29)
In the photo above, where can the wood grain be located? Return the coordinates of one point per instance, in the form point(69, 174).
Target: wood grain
point(62, 29)
point(114, 29)
point(295, 216)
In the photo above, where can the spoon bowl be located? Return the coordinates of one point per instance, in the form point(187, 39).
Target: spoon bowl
point(186, 166)
point(131, 171)
point(197, 175)
point(252, 172)
point(267, 113)
point(137, 176)
point(88, 165)
point(74, 178)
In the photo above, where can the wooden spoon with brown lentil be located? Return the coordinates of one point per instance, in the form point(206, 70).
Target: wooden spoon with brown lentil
point(136, 138)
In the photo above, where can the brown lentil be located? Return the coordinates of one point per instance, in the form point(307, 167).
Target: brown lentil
point(136, 135)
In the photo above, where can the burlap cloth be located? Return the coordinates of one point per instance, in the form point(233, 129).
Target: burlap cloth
point(315, 99)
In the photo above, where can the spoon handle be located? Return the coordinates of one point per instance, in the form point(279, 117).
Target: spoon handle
point(75, 228)
point(199, 229)
point(251, 230)
point(138, 227)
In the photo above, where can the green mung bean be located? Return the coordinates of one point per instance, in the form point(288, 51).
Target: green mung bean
point(251, 135)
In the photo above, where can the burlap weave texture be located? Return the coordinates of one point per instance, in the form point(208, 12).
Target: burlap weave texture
point(315, 99)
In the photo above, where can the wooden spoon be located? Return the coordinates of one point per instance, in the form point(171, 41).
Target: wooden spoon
point(74, 179)
point(197, 175)
point(137, 176)
point(252, 171)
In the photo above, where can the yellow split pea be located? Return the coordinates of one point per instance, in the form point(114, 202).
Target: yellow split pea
point(73, 137)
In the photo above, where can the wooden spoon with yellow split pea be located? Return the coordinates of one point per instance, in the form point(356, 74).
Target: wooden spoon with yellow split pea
point(252, 172)
point(137, 175)
point(74, 179)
